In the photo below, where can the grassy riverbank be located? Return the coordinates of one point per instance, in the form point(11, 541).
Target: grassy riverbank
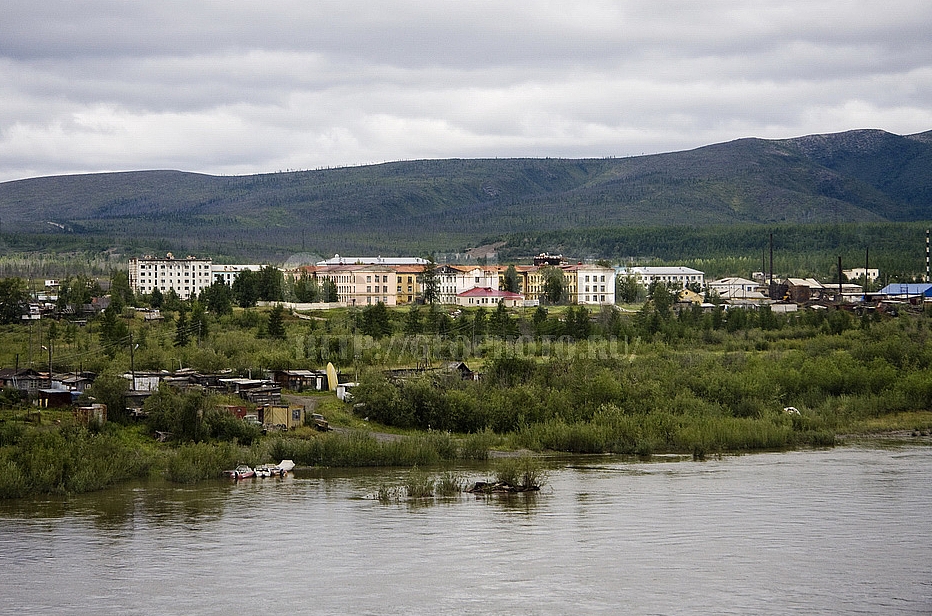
point(66, 459)
point(642, 383)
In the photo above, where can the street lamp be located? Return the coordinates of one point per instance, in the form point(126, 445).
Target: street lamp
point(49, 349)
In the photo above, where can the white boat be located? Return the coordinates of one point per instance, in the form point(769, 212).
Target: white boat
point(283, 467)
point(265, 470)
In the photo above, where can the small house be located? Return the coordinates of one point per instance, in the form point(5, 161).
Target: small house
point(24, 379)
point(86, 414)
point(300, 380)
point(487, 296)
point(54, 398)
point(286, 417)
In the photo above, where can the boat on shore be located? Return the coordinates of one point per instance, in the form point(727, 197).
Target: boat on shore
point(262, 470)
point(240, 472)
point(265, 470)
point(274, 470)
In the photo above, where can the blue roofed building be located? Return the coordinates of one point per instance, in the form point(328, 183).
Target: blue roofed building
point(908, 290)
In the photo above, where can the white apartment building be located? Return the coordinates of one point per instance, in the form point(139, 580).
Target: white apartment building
point(228, 273)
point(589, 284)
point(675, 276)
point(185, 276)
point(859, 272)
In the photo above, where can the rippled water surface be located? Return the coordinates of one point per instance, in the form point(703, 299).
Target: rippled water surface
point(846, 531)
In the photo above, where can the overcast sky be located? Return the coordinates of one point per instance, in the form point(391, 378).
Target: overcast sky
point(249, 86)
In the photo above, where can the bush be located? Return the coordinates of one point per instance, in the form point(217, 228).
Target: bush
point(523, 472)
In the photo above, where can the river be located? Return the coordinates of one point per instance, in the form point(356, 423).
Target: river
point(838, 531)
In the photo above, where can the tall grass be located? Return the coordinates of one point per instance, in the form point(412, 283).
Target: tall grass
point(72, 460)
point(360, 449)
point(197, 461)
point(522, 472)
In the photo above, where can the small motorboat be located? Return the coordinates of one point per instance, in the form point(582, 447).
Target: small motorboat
point(265, 470)
point(240, 472)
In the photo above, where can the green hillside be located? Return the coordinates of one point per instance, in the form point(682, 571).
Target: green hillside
point(417, 206)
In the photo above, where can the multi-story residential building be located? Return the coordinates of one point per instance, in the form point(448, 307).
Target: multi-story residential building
point(228, 273)
point(534, 282)
point(589, 284)
point(675, 276)
point(500, 272)
point(409, 285)
point(185, 277)
point(362, 285)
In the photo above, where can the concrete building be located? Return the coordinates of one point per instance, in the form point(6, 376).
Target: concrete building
point(456, 279)
point(859, 272)
point(185, 276)
point(409, 283)
point(362, 285)
point(675, 276)
point(590, 284)
point(228, 273)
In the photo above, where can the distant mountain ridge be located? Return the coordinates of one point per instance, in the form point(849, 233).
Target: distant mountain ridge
point(855, 176)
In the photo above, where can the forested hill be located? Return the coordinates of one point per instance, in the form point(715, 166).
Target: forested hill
point(857, 176)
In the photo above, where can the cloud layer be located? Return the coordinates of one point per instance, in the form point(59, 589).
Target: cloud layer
point(239, 86)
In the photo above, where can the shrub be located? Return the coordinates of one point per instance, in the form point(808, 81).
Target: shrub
point(523, 472)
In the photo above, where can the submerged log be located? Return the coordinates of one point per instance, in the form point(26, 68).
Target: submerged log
point(499, 487)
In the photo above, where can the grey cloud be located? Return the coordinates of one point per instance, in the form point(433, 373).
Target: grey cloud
point(239, 87)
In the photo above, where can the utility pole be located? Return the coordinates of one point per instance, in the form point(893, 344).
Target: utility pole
point(132, 361)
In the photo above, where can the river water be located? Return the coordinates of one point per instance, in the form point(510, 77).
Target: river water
point(842, 531)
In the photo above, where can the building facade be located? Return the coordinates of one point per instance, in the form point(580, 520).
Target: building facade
point(362, 285)
point(455, 279)
point(675, 276)
point(589, 284)
point(186, 277)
